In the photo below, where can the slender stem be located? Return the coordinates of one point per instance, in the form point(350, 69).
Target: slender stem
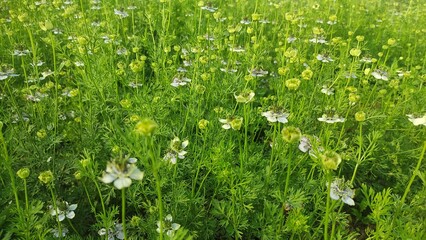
point(287, 179)
point(123, 211)
point(9, 169)
point(155, 164)
point(327, 208)
point(55, 208)
point(416, 170)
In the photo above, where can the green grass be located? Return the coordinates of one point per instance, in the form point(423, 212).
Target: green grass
point(185, 92)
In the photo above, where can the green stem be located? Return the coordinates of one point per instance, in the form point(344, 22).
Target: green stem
point(155, 164)
point(9, 169)
point(327, 208)
point(123, 211)
point(416, 170)
point(55, 208)
point(287, 179)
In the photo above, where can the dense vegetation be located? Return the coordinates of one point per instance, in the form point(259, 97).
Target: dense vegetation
point(242, 119)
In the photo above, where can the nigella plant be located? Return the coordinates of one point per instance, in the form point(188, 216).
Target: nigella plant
point(177, 150)
point(122, 173)
point(339, 189)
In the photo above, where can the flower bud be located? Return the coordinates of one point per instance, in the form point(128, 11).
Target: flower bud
point(291, 134)
point(46, 177)
point(145, 127)
point(360, 116)
point(23, 173)
point(236, 123)
point(330, 160)
point(202, 124)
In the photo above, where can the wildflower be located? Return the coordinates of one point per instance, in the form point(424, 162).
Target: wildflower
point(117, 232)
point(324, 58)
point(380, 74)
point(45, 177)
point(304, 144)
point(340, 189)
point(121, 174)
point(245, 96)
point(55, 232)
point(307, 74)
point(355, 52)
point(331, 118)
point(291, 39)
point(291, 134)
point(417, 121)
point(237, 49)
point(135, 85)
point(233, 122)
point(176, 150)
point(327, 90)
point(145, 127)
point(258, 72)
point(276, 115)
point(180, 81)
point(319, 39)
point(20, 53)
point(23, 173)
point(168, 226)
point(292, 84)
point(360, 116)
point(121, 14)
point(330, 160)
point(7, 73)
point(202, 124)
point(63, 210)
point(209, 8)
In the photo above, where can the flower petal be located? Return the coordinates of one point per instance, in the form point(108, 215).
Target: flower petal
point(122, 182)
point(61, 217)
point(72, 207)
point(348, 200)
point(136, 174)
point(108, 178)
point(70, 215)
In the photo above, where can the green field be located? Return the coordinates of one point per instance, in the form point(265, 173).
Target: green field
point(222, 119)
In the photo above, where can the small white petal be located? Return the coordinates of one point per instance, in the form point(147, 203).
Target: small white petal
point(70, 215)
point(72, 207)
point(185, 143)
point(226, 126)
point(175, 226)
point(122, 182)
point(61, 217)
point(108, 178)
point(136, 174)
point(348, 200)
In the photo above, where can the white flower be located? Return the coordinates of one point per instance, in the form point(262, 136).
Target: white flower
point(327, 90)
point(180, 81)
point(177, 150)
point(258, 72)
point(320, 40)
point(305, 144)
point(331, 118)
point(324, 58)
point(117, 232)
point(55, 232)
point(63, 210)
point(121, 14)
point(226, 123)
point(276, 116)
point(245, 96)
point(380, 74)
point(7, 73)
point(168, 226)
point(417, 121)
point(121, 174)
point(340, 190)
point(209, 8)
